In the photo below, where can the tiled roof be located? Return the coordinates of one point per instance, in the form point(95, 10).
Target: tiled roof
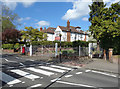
point(72, 29)
point(49, 30)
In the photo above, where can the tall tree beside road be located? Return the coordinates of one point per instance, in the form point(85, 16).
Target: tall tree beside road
point(111, 28)
point(96, 13)
point(31, 34)
point(105, 24)
point(9, 19)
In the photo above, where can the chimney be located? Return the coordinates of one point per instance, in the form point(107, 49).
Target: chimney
point(44, 28)
point(40, 28)
point(68, 24)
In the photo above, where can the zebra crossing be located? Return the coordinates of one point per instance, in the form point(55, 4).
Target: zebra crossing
point(39, 72)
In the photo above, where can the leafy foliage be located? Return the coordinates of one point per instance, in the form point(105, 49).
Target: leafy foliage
point(30, 34)
point(9, 19)
point(81, 43)
point(105, 24)
point(7, 46)
point(63, 44)
point(11, 35)
point(17, 46)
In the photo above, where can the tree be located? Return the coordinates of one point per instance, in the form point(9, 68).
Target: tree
point(11, 35)
point(96, 14)
point(31, 34)
point(110, 37)
point(105, 25)
point(9, 19)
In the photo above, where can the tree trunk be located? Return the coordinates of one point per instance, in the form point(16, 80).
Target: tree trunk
point(98, 48)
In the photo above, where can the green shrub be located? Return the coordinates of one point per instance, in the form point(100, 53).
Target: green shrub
point(81, 43)
point(17, 46)
point(7, 46)
point(63, 44)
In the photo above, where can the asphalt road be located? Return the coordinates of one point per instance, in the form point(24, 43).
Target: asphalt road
point(28, 73)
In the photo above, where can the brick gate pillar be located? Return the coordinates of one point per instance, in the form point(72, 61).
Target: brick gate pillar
point(104, 54)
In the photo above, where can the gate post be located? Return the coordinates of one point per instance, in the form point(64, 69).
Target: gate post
point(30, 50)
point(56, 46)
point(79, 51)
point(90, 53)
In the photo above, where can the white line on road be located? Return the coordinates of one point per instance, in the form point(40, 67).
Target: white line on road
point(52, 69)
point(67, 76)
point(25, 74)
point(61, 67)
point(37, 85)
point(104, 73)
point(40, 71)
point(17, 57)
point(75, 84)
point(10, 67)
point(6, 59)
point(87, 70)
point(9, 61)
point(8, 79)
point(22, 64)
point(79, 72)
point(53, 80)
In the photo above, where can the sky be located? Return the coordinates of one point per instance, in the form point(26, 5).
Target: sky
point(52, 13)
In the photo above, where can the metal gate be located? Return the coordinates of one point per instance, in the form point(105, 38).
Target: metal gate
point(43, 51)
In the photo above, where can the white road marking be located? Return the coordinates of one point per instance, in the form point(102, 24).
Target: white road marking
point(40, 71)
point(53, 80)
point(25, 74)
point(23, 82)
point(79, 72)
point(52, 69)
point(10, 67)
point(22, 64)
point(17, 57)
point(37, 85)
point(87, 70)
point(8, 79)
point(67, 76)
point(83, 85)
point(104, 73)
point(61, 67)
point(6, 59)
point(30, 59)
point(9, 61)
point(32, 65)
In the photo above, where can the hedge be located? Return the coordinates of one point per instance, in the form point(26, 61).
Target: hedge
point(7, 46)
point(47, 43)
point(81, 43)
point(63, 44)
point(11, 46)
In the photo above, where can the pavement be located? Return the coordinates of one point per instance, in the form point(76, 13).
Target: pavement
point(99, 65)
point(103, 65)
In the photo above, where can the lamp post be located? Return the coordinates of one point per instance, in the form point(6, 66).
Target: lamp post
point(60, 48)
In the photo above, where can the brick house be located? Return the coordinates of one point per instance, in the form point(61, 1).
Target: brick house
point(69, 33)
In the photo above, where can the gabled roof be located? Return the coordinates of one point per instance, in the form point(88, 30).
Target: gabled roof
point(71, 29)
point(49, 30)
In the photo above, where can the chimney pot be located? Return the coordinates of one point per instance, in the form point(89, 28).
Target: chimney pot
point(40, 28)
